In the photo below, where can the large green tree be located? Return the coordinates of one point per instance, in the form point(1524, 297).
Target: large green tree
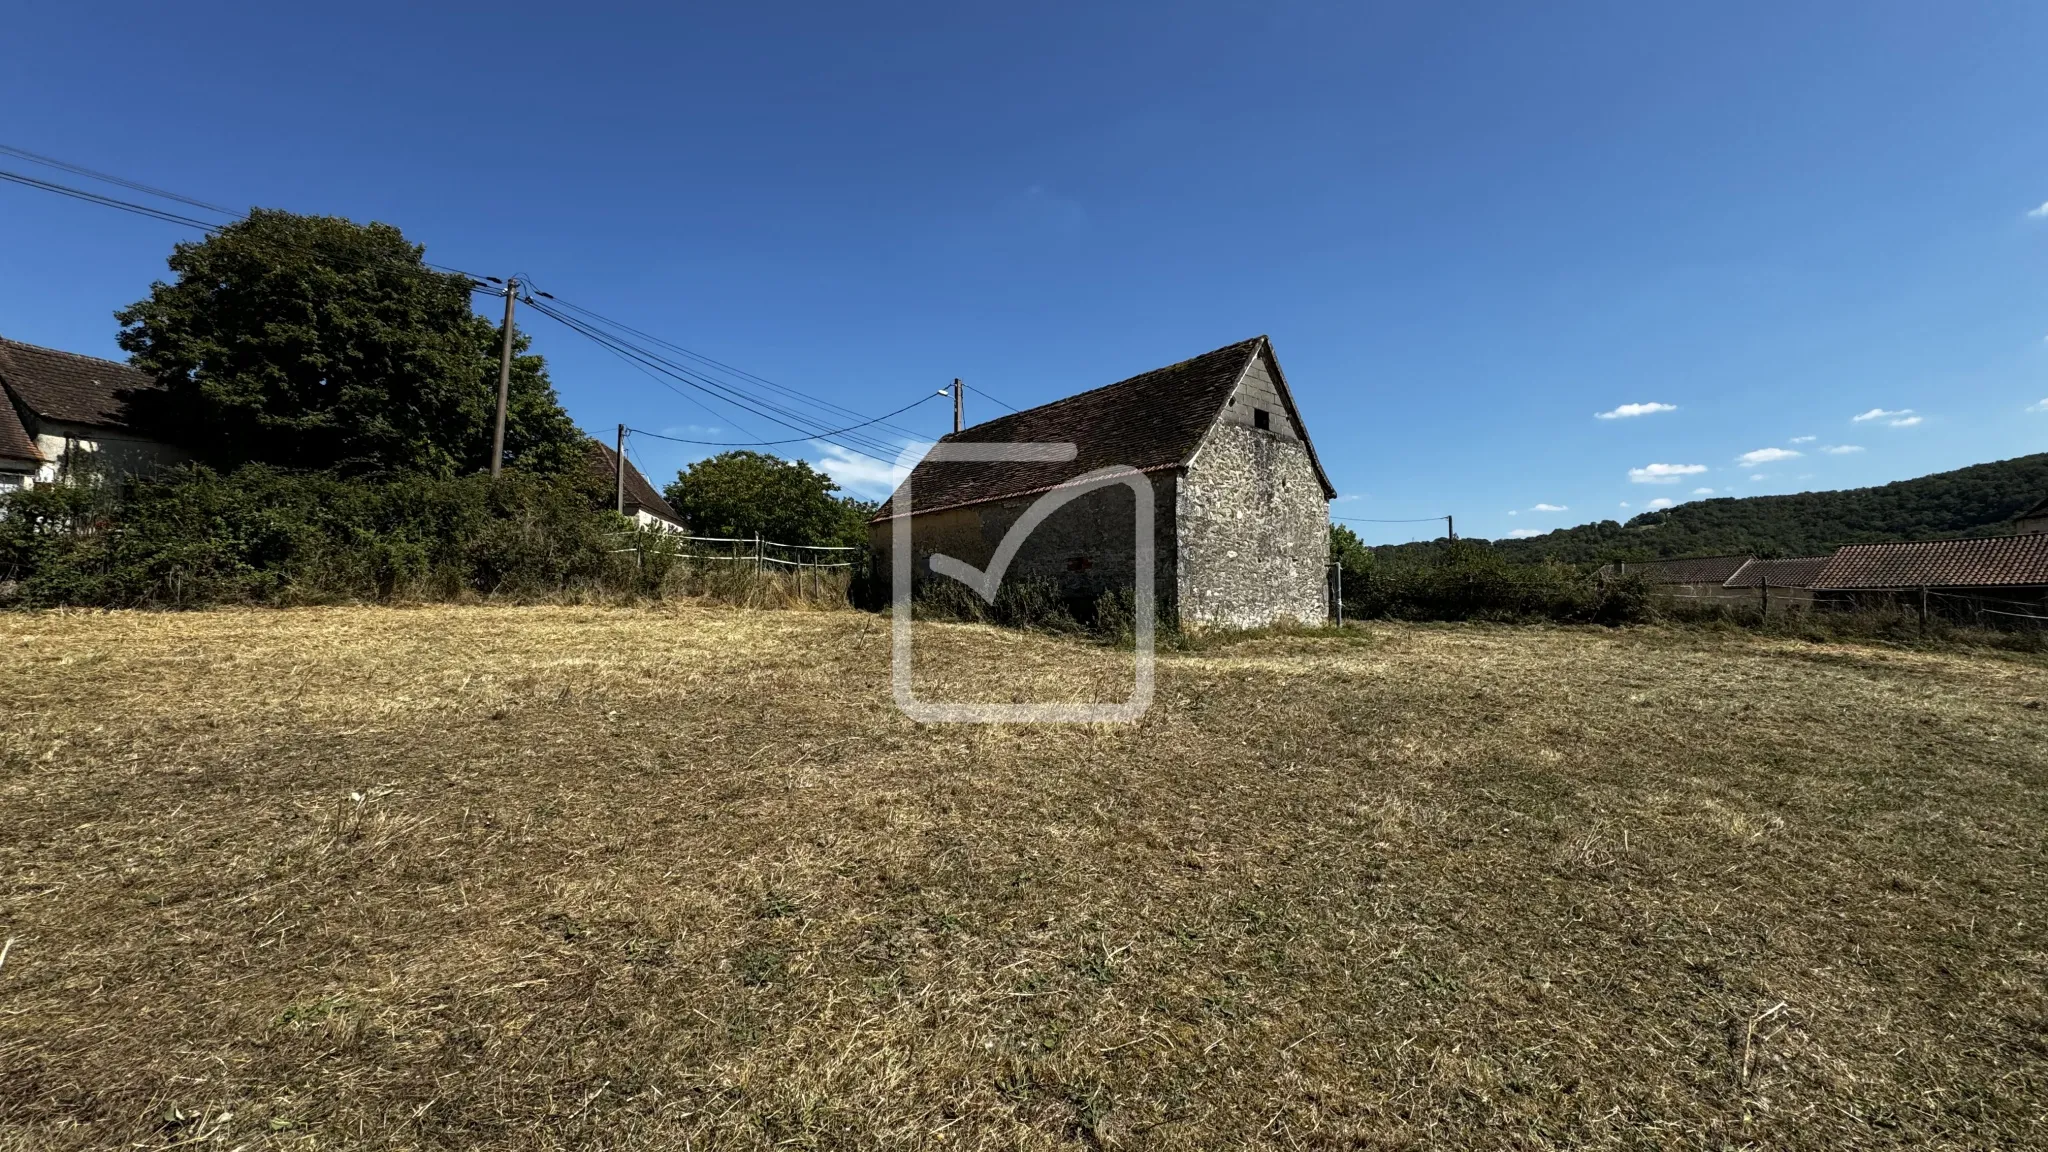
point(744, 493)
point(317, 342)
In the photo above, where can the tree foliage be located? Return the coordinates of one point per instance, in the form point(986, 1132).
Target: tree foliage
point(745, 493)
point(313, 342)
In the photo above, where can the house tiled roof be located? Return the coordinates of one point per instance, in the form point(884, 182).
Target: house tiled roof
point(1150, 422)
point(639, 493)
point(2036, 512)
point(66, 386)
point(1692, 570)
point(1997, 561)
point(17, 451)
point(1796, 572)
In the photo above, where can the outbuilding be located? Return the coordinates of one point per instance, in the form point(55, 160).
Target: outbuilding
point(59, 410)
point(1241, 504)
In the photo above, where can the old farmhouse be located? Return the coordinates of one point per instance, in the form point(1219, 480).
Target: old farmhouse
point(1241, 504)
point(59, 408)
point(637, 497)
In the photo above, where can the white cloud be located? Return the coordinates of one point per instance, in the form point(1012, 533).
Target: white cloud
point(1804, 439)
point(1663, 473)
point(2040, 213)
point(1627, 410)
point(860, 475)
point(1842, 449)
point(1703, 491)
point(1349, 498)
point(1550, 508)
point(1624, 503)
point(1908, 422)
point(1766, 456)
point(1661, 502)
point(2041, 407)
point(1512, 512)
point(1523, 533)
point(1758, 476)
point(1879, 414)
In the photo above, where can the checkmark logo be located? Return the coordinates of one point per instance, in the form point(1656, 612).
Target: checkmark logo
point(987, 582)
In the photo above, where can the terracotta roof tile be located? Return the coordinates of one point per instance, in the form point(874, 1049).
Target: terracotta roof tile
point(639, 493)
point(66, 386)
point(1996, 561)
point(1149, 422)
point(1795, 572)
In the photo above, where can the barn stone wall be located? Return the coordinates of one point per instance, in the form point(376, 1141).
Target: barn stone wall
point(1254, 532)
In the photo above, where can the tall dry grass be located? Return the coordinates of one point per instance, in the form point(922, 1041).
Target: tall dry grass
point(681, 877)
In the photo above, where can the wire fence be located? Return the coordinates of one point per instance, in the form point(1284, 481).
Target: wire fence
point(813, 567)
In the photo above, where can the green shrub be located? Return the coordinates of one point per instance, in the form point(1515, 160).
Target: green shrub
point(1469, 582)
point(195, 537)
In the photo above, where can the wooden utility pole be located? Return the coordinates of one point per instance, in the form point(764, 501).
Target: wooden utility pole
point(959, 408)
point(619, 468)
point(504, 382)
point(1451, 526)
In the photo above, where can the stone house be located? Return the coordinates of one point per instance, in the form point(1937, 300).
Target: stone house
point(1241, 504)
point(59, 408)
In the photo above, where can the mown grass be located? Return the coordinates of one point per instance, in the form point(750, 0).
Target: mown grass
point(553, 877)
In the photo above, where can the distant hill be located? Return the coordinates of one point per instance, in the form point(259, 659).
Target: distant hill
point(1980, 500)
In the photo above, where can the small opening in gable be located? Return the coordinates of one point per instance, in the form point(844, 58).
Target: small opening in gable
point(1261, 418)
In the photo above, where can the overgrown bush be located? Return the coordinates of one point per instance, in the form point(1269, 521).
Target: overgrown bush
point(196, 537)
point(1469, 582)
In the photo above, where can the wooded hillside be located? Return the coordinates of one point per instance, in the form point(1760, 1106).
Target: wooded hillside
point(1980, 500)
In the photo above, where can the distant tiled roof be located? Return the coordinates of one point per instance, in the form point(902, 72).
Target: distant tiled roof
point(1796, 572)
point(639, 493)
point(1149, 422)
point(17, 452)
point(1997, 561)
point(2036, 511)
point(66, 386)
point(1694, 570)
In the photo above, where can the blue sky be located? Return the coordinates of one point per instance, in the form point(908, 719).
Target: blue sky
point(1468, 229)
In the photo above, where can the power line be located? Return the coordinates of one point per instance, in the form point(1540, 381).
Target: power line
point(793, 393)
point(155, 213)
point(108, 201)
point(774, 443)
point(1363, 520)
point(132, 185)
point(758, 406)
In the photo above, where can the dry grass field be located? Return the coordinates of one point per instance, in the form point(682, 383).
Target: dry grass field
point(661, 879)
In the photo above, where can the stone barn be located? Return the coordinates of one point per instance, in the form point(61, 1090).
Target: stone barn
point(1241, 505)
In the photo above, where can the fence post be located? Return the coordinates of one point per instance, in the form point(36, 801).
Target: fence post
point(757, 554)
point(1923, 608)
